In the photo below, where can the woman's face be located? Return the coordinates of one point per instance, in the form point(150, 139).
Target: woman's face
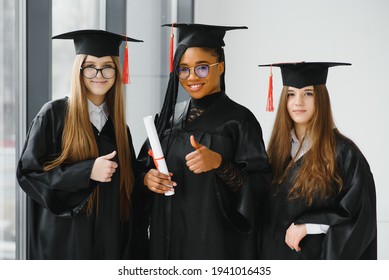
point(199, 87)
point(301, 105)
point(98, 86)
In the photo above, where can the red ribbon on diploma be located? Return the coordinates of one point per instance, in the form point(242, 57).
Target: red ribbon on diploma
point(154, 159)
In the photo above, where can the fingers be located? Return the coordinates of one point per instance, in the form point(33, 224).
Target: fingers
point(109, 168)
point(194, 143)
point(158, 182)
point(109, 156)
point(202, 160)
point(194, 162)
point(108, 175)
point(293, 236)
point(194, 159)
point(293, 244)
point(195, 166)
point(111, 164)
point(104, 168)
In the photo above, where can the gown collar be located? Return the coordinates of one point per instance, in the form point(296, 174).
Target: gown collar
point(98, 115)
point(103, 108)
point(207, 100)
point(306, 145)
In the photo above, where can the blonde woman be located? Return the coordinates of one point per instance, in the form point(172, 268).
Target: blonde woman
point(77, 165)
point(322, 204)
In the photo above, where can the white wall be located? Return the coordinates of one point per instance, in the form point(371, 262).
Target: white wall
point(148, 76)
point(354, 31)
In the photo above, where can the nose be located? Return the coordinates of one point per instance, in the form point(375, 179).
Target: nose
point(298, 101)
point(99, 72)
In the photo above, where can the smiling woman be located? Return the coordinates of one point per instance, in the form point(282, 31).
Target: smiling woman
point(214, 148)
point(301, 107)
point(98, 76)
point(322, 203)
point(78, 165)
point(205, 78)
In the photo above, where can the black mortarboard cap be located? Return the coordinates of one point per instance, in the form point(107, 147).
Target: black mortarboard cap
point(302, 74)
point(299, 75)
point(202, 35)
point(98, 43)
point(198, 35)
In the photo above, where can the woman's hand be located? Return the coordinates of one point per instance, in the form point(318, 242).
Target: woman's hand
point(158, 182)
point(103, 168)
point(202, 159)
point(294, 234)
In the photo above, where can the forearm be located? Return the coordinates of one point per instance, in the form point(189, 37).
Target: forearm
point(231, 175)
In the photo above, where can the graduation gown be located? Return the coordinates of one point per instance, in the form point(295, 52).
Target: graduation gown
point(204, 219)
point(351, 214)
point(58, 226)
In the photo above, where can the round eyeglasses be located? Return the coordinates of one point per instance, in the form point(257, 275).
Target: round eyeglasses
point(200, 70)
point(91, 72)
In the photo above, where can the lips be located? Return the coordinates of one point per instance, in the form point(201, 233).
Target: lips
point(195, 87)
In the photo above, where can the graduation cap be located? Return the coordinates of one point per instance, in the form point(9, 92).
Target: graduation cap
point(99, 43)
point(299, 75)
point(189, 35)
point(199, 35)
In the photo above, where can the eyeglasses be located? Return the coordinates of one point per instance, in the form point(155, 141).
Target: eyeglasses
point(200, 70)
point(91, 72)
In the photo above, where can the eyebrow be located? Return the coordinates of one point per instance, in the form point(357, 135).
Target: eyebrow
point(305, 90)
point(198, 62)
point(104, 62)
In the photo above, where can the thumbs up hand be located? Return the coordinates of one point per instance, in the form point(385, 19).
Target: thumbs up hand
point(103, 168)
point(196, 145)
point(202, 159)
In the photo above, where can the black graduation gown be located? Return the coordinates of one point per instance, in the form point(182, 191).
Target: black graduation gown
point(351, 214)
point(58, 225)
point(204, 219)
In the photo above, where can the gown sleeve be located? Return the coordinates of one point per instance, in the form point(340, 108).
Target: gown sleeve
point(251, 158)
point(231, 175)
point(62, 190)
point(353, 223)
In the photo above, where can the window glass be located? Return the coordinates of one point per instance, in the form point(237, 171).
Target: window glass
point(8, 91)
point(68, 16)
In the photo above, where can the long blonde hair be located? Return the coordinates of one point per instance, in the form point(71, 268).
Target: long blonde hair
point(78, 141)
point(318, 172)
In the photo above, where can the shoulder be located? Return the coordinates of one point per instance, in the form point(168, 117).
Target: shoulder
point(56, 107)
point(179, 111)
point(237, 110)
point(181, 106)
point(345, 145)
point(348, 151)
point(355, 171)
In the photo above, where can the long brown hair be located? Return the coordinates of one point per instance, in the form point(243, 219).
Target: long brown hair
point(318, 173)
point(78, 141)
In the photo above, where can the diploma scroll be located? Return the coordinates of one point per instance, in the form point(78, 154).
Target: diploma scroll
point(156, 152)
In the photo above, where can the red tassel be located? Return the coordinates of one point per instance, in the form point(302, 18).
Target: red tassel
point(171, 51)
point(269, 105)
point(126, 72)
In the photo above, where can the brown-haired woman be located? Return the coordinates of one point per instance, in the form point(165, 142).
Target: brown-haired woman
point(77, 165)
point(322, 203)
